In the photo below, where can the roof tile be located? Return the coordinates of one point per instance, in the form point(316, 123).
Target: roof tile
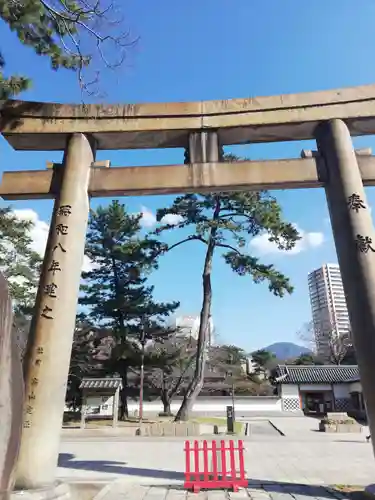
point(317, 374)
point(101, 383)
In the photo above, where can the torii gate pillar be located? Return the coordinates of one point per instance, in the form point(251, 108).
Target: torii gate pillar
point(51, 332)
point(354, 237)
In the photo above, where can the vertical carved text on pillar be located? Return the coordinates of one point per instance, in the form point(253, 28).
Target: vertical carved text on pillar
point(355, 202)
point(364, 244)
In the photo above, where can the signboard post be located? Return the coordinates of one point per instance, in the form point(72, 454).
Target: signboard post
point(230, 420)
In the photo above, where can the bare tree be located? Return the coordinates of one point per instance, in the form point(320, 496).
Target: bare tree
point(339, 347)
point(168, 367)
point(337, 344)
point(307, 336)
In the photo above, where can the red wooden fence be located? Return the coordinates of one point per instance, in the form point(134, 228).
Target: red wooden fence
point(208, 467)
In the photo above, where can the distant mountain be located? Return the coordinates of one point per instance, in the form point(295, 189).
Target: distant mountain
point(287, 350)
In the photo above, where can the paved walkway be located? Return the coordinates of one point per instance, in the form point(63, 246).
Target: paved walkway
point(278, 491)
point(330, 459)
point(302, 427)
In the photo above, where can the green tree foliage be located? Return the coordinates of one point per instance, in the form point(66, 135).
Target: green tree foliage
point(230, 361)
point(21, 267)
point(18, 262)
point(72, 34)
point(307, 359)
point(115, 292)
point(228, 356)
point(264, 360)
point(82, 362)
point(224, 222)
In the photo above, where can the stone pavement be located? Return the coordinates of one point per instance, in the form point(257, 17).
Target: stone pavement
point(323, 459)
point(302, 427)
point(121, 490)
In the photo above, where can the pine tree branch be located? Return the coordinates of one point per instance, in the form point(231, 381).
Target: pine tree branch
point(230, 247)
point(193, 237)
point(234, 214)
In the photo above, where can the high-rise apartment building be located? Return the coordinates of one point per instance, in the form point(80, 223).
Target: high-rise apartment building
point(328, 306)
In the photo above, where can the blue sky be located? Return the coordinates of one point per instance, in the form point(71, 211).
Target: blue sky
point(220, 49)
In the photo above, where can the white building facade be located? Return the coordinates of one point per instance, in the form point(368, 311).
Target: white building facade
point(188, 326)
point(328, 307)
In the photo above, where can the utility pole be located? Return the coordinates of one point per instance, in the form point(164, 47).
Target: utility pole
point(142, 377)
point(230, 373)
point(234, 411)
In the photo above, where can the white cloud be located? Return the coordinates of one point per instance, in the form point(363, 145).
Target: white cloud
point(171, 219)
point(262, 245)
point(39, 231)
point(148, 217)
point(39, 234)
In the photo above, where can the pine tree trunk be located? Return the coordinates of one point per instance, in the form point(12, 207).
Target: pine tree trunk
point(197, 382)
point(124, 412)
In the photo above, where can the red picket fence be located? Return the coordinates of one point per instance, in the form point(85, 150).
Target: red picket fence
point(208, 467)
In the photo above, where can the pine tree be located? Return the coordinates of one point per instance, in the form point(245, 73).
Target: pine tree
point(115, 292)
point(72, 34)
point(86, 360)
point(225, 222)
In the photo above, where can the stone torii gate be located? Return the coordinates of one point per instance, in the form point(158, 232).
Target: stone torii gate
point(202, 128)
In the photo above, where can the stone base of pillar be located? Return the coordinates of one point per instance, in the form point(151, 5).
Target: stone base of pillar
point(59, 491)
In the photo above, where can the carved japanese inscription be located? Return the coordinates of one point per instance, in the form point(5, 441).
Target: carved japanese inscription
point(50, 294)
point(355, 202)
point(364, 244)
point(51, 288)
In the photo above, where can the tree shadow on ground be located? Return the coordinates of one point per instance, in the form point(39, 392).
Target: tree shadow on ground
point(67, 460)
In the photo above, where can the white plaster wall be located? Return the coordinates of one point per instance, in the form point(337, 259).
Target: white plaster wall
point(289, 390)
point(315, 387)
point(355, 387)
point(341, 391)
point(213, 405)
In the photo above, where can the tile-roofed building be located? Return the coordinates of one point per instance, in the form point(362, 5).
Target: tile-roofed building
point(317, 374)
point(100, 397)
point(319, 389)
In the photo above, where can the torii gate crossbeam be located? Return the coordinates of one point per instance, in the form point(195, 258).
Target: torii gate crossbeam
point(202, 128)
